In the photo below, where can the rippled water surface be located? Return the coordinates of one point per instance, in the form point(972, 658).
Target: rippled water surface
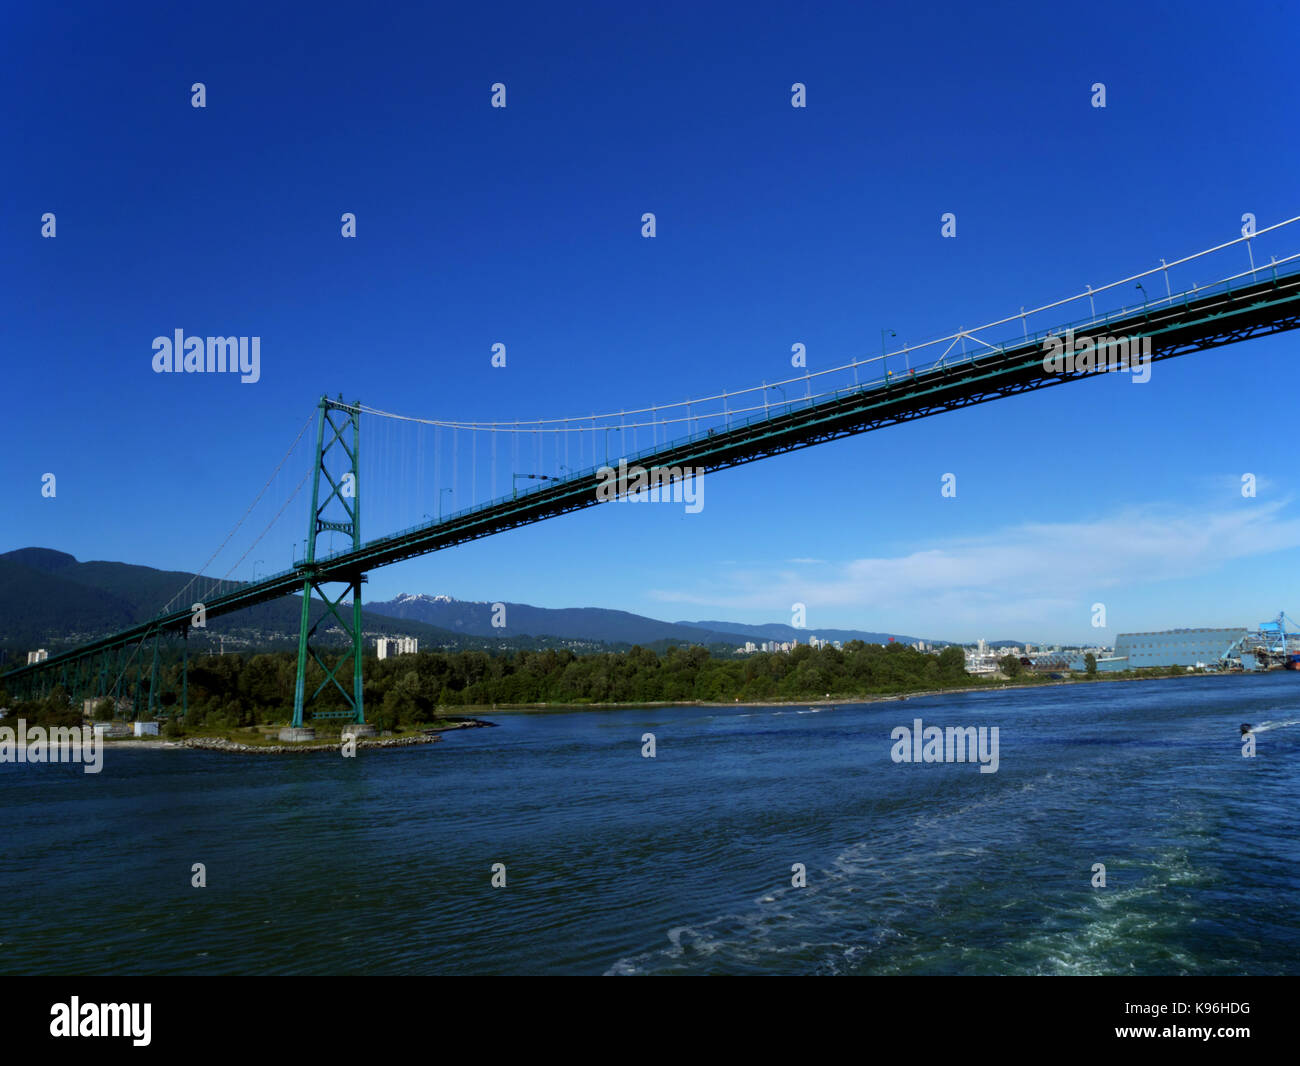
point(682, 863)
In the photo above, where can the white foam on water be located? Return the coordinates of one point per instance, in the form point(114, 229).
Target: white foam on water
point(1103, 943)
point(879, 894)
point(1265, 727)
point(769, 932)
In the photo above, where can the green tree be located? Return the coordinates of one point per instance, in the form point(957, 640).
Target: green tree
point(952, 661)
point(1010, 665)
point(1090, 663)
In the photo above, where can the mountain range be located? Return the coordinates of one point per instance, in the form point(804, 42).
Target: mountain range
point(598, 623)
point(50, 599)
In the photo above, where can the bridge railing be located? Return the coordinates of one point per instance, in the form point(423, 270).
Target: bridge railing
point(735, 410)
point(1274, 269)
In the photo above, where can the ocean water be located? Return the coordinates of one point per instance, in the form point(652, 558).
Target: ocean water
point(619, 864)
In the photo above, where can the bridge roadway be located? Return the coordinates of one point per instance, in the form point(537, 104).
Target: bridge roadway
point(1191, 324)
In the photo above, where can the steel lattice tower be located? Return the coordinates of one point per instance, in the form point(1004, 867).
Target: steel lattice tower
point(339, 511)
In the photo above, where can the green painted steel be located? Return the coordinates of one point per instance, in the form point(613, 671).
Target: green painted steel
point(185, 671)
point(1191, 324)
point(336, 418)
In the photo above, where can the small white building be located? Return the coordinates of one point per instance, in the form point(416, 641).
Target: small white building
point(37, 656)
point(146, 729)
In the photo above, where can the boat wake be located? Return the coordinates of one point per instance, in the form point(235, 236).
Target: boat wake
point(1264, 727)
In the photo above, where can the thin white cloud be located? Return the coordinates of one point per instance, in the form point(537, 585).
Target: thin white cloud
point(1232, 485)
point(1027, 578)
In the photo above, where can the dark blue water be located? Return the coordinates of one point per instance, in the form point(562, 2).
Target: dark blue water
point(682, 864)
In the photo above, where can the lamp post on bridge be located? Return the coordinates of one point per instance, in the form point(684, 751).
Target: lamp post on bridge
point(884, 358)
point(514, 481)
point(440, 492)
point(255, 564)
point(1144, 299)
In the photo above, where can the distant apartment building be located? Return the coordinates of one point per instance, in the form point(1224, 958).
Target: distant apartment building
point(388, 646)
point(982, 659)
point(38, 656)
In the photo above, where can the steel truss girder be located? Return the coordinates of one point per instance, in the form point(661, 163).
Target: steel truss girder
point(85, 674)
point(1215, 321)
point(1254, 310)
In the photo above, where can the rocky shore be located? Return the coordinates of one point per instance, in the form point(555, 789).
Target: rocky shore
point(430, 736)
point(222, 744)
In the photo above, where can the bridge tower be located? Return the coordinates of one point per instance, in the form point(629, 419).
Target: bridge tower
point(337, 470)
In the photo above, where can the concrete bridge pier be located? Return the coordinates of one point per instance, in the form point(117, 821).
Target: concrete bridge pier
point(296, 734)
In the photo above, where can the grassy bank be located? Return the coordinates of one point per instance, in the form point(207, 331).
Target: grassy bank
point(992, 684)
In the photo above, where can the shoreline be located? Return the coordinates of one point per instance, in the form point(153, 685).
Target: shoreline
point(517, 708)
point(428, 735)
point(470, 717)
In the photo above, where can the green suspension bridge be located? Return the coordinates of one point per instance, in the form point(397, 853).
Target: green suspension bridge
point(700, 435)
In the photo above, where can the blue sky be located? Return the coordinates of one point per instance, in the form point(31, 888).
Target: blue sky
point(776, 225)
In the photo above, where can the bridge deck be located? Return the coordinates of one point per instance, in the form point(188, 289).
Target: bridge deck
point(1193, 324)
